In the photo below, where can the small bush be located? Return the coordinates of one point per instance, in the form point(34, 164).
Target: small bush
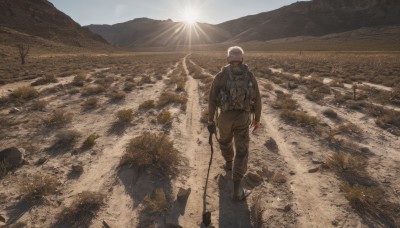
point(180, 86)
point(149, 104)
point(269, 86)
point(24, 93)
point(284, 102)
point(45, 80)
point(349, 129)
point(58, 119)
point(82, 210)
point(343, 162)
point(152, 150)
point(125, 115)
point(90, 103)
point(37, 186)
point(92, 89)
point(157, 203)
point(361, 195)
point(164, 117)
point(129, 86)
point(315, 96)
point(257, 213)
point(67, 138)
point(39, 105)
point(90, 141)
point(79, 80)
point(330, 114)
point(73, 91)
point(146, 79)
point(279, 178)
point(300, 118)
point(169, 98)
point(117, 95)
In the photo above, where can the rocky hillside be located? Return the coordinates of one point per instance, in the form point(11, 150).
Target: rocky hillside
point(148, 32)
point(302, 19)
point(314, 18)
point(40, 18)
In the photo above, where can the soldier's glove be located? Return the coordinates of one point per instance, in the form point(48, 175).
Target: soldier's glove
point(211, 127)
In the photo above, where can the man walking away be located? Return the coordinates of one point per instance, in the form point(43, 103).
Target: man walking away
point(235, 93)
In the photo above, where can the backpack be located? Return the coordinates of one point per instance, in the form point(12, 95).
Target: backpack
point(239, 91)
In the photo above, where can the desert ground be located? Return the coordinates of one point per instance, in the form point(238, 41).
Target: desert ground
point(120, 140)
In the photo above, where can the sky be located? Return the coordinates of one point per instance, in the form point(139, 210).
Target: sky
point(87, 12)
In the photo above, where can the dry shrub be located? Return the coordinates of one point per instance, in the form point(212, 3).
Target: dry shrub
point(37, 186)
point(24, 93)
point(164, 117)
point(152, 150)
point(315, 96)
point(390, 121)
point(180, 86)
point(90, 141)
point(344, 162)
point(330, 114)
point(349, 129)
point(125, 115)
point(59, 118)
point(92, 89)
point(82, 210)
point(129, 86)
point(45, 80)
point(67, 138)
point(146, 79)
point(149, 104)
point(257, 213)
point(105, 82)
point(39, 105)
point(90, 103)
point(117, 95)
point(158, 203)
point(284, 101)
point(279, 178)
point(361, 195)
point(79, 80)
point(73, 91)
point(167, 98)
point(300, 118)
point(269, 86)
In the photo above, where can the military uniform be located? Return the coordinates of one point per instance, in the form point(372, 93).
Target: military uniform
point(235, 92)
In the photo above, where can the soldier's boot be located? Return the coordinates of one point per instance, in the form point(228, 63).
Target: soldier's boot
point(238, 191)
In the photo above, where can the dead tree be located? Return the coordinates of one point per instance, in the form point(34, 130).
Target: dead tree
point(23, 52)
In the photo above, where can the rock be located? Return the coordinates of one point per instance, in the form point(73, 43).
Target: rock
point(313, 170)
point(292, 173)
point(287, 208)
point(335, 222)
point(183, 194)
point(14, 110)
point(41, 161)
point(271, 145)
point(77, 168)
point(12, 156)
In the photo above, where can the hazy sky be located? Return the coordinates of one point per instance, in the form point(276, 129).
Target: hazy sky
point(115, 11)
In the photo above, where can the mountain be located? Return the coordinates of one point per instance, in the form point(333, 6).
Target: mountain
point(39, 18)
point(148, 32)
point(314, 18)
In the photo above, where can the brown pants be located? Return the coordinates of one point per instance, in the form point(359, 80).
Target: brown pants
point(235, 125)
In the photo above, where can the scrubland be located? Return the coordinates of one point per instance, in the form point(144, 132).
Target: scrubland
point(114, 140)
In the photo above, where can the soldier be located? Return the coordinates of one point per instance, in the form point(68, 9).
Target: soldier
point(235, 92)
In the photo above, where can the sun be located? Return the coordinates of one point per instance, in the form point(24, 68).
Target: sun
point(190, 16)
